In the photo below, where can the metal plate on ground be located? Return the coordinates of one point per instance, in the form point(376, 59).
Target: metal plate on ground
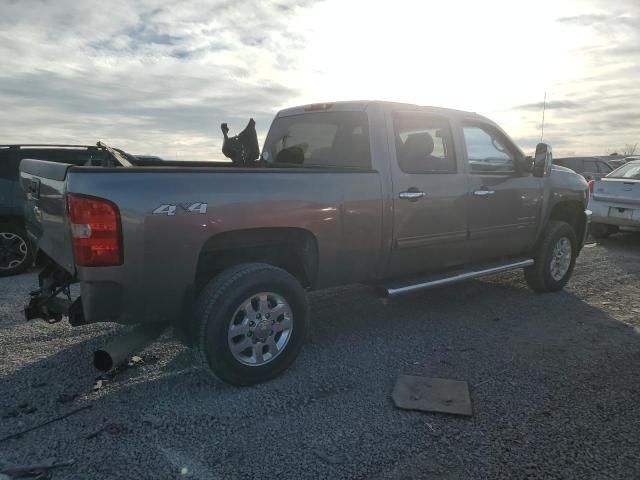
point(432, 395)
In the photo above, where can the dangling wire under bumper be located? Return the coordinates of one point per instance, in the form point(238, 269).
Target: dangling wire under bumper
point(46, 303)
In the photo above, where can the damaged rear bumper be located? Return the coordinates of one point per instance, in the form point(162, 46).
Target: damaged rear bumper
point(53, 300)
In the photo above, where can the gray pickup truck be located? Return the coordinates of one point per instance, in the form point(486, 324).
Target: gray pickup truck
point(400, 197)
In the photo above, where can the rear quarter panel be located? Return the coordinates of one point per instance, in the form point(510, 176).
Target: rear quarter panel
point(342, 210)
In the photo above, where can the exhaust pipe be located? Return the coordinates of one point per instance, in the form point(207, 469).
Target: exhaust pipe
point(118, 350)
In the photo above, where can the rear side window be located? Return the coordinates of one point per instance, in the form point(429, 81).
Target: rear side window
point(9, 163)
point(571, 163)
point(590, 166)
point(604, 167)
point(323, 139)
point(574, 164)
point(487, 151)
point(80, 156)
point(423, 144)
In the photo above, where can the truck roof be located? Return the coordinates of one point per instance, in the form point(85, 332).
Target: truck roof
point(361, 105)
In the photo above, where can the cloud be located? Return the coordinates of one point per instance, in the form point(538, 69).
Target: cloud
point(609, 21)
point(551, 105)
point(159, 76)
point(149, 77)
point(592, 106)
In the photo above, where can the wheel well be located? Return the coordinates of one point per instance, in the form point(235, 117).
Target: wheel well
point(571, 213)
point(292, 249)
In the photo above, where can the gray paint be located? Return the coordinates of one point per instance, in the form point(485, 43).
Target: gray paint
point(364, 232)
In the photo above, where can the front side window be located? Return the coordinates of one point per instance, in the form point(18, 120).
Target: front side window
point(423, 144)
point(323, 139)
point(487, 151)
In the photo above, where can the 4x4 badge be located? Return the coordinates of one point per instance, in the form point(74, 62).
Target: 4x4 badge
point(170, 209)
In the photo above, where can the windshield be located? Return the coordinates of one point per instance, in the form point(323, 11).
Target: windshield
point(629, 170)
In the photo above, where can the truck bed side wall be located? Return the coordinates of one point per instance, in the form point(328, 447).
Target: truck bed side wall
point(341, 210)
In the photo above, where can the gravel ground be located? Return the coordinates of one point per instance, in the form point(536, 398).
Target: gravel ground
point(557, 382)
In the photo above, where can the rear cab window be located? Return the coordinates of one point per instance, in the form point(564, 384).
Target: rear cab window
point(319, 140)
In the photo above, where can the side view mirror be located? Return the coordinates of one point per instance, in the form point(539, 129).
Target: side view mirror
point(542, 160)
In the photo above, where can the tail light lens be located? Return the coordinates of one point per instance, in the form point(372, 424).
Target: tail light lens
point(95, 231)
point(590, 186)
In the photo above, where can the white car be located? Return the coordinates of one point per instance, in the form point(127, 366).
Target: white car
point(615, 201)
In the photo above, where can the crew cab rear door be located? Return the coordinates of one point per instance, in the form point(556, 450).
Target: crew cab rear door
point(503, 206)
point(429, 189)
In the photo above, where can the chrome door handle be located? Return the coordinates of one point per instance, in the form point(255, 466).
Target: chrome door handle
point(411, 195)
point(483, 193)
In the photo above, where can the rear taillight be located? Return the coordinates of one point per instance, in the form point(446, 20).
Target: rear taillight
point(95, 231)
point(590, 186)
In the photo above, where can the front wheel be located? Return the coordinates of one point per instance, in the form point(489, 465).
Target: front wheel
point(15, 250)
point(554, 258)
point(253, 320)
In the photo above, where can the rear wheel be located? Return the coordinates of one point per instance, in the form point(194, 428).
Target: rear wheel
point(554, 258)
point(15, 251)
point(252, 321)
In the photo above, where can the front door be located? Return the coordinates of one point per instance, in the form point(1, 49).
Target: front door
point(503, 206)
point(429, 190)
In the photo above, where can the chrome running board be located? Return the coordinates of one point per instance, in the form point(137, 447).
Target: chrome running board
point(397, 288)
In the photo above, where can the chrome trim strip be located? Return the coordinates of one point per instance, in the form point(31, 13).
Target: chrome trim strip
point(424, 240)
point(390, 292)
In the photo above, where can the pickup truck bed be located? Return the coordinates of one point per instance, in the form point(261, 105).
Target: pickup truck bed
point(397, 196)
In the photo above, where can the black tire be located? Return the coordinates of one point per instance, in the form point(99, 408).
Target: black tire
point(539, 276)
point(14, 247)
point(220, 300)
point(600, 230)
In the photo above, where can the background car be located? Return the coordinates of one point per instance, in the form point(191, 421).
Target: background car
point(615, 201)
point(591, 168)
point(16, 252)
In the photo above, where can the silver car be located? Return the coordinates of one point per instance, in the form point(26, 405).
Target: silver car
point(615, 201)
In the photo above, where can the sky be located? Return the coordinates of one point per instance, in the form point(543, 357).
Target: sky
point(159, 77)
